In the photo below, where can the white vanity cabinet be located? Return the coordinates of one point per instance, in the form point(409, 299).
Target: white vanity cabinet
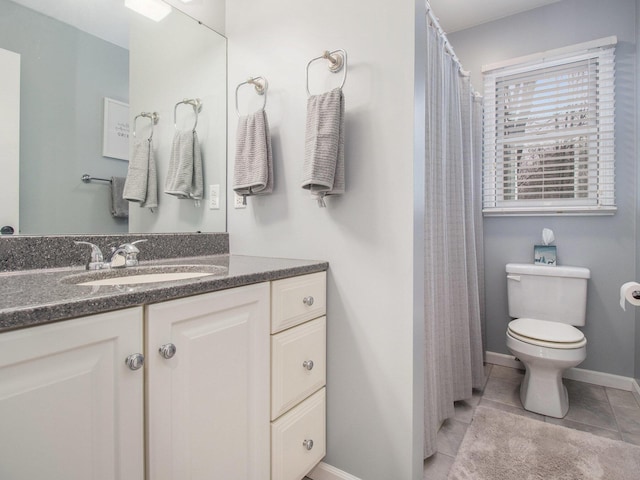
point(70, 409)
point(298, 375)
point(232, 388)
point(208, 386)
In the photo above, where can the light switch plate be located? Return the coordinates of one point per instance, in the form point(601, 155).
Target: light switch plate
point(237, 201)
point(214, 197)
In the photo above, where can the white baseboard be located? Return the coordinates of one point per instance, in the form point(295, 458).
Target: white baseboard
point(324, 471)
point(503, 360)
point(580, 374)
point(636, 390)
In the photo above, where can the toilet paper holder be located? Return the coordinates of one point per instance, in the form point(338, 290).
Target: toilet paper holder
point(636, 294)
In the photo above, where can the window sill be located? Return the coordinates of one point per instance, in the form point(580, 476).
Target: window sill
point(548, 211)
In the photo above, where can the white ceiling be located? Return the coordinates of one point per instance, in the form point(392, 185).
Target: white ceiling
point(454, 15)
point(109, 19)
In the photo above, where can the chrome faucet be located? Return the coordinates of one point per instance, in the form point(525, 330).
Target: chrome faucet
point(96, 261)
point(126, 255)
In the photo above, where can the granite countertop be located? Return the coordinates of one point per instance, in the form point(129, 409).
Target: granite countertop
point(35, 297)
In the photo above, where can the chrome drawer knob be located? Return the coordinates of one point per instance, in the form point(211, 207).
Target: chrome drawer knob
point(134, 361)
point(308, 444)
point(168, 350)
point(307, 364)
point(308, 301)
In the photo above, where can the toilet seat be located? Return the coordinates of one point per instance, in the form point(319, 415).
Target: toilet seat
point(544, 333)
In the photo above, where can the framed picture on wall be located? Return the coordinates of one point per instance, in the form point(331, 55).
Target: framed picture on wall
point(115, 139)
point(544, 254)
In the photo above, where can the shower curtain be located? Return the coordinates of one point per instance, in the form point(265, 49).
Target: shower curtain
point(454, 296)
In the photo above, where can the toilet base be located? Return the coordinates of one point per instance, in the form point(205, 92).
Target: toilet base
point(542, 390)
point(544, 393)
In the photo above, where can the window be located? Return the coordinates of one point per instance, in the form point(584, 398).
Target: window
point(549, 133)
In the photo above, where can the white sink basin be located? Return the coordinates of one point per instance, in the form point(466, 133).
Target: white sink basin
point(143, 274)
point(145, 278)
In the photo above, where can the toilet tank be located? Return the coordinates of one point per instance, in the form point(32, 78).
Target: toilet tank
point(557, 294)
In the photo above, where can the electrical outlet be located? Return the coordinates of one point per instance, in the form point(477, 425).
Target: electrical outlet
point(214, 197)
point(237, 203)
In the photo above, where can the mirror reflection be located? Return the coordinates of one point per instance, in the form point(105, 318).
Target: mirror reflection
point(73, 81)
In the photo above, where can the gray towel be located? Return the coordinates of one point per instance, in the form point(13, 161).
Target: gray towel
point(323, 170)
point(253, 169)
point(184, 176)
point(119, 206)
point(141, 185)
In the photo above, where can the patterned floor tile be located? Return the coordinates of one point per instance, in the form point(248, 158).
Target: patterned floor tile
point(511, 409)
point(503, 390)
point(601, 432)
point(596, 414)
point(437, 467)
point(620, 398)
point(450, 436)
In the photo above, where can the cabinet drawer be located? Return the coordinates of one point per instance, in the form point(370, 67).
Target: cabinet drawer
point(292, 453)
point(298, 364)
point(298, 299)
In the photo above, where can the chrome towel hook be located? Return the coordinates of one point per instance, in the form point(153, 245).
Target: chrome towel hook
point(153, 116)
point(196, 103)
point(261, 86)
point(337, 62)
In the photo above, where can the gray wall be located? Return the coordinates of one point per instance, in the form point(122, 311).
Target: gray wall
point(637, 344)
point(65, 75)
point(606, 245)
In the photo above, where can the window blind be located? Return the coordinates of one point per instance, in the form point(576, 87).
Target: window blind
point(549, 135)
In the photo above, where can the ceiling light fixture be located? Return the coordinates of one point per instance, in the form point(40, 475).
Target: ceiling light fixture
point(154, 9)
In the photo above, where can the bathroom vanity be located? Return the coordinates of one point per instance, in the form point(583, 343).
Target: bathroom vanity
point(213, 377)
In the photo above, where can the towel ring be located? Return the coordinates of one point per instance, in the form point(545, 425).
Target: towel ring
point(153, 116)
point(337, 61)
point(196, 103)
point(260, 84)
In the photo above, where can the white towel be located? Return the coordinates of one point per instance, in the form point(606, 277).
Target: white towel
point(253, 168)
point(323, 170)
point(184, 176)
point(119, 206)
point(141, 185)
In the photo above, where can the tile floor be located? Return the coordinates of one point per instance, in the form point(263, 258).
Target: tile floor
point(603, 411)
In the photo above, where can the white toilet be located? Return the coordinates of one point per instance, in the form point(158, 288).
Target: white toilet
point(546, 302)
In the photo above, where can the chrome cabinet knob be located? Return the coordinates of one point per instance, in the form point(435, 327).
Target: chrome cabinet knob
point(134, 361)
point(168, 350)
point(308, 444)
point(307, 364)
point(308, 301)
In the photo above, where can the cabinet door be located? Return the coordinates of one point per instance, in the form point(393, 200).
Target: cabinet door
point(70, 409)
point(208, 405)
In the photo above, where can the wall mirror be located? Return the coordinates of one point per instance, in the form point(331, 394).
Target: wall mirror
point(72, 55)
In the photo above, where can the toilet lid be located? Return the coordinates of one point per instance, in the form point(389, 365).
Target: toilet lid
point(546, 331)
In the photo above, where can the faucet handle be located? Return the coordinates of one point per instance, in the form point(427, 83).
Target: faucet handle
point(130, 246)
point(96, 260)
point(131, 252)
